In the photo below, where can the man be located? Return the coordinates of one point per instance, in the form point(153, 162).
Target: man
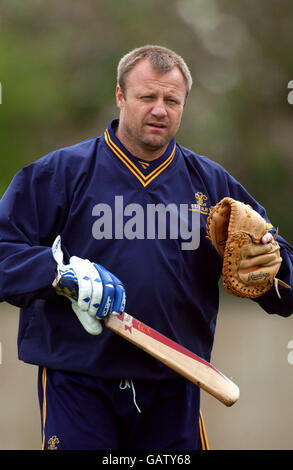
point(120, 203)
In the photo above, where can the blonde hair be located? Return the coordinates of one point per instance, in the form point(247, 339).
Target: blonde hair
point(161, 59)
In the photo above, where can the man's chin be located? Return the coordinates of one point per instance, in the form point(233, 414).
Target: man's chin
point(157, 144)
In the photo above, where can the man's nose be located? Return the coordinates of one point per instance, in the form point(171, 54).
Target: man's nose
point(159, 109)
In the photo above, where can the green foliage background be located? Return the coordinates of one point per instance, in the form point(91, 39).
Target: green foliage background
point(58, 73)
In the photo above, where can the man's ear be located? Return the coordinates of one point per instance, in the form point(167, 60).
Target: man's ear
point(119, 97)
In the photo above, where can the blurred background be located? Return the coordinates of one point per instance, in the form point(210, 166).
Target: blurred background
point(58, 74)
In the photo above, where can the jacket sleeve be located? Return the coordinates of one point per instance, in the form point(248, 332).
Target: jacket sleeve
point(270, 301)
point(32, 212)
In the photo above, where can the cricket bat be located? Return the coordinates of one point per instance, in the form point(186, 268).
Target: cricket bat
point(170, 353)
point(175, 356)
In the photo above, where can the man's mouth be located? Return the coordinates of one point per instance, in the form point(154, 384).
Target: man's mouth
point(156, 125)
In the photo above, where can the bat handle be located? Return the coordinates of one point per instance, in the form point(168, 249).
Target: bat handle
point(66, 286)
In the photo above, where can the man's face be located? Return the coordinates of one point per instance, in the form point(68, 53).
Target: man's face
point(150, 109)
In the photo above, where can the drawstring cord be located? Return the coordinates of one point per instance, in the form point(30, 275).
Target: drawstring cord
point(129, 384)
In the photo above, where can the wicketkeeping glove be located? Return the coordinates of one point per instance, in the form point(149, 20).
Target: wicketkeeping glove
point(93, 291)
point(249, 266)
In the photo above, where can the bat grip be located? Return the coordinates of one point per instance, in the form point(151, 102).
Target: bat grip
point(66, 286)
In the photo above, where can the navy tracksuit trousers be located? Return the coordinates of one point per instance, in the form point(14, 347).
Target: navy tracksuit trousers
point(81, 412)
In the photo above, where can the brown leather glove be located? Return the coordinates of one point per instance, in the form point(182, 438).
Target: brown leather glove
point(249, 266)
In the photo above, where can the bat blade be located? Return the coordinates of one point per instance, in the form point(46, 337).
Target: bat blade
point(170, 353)
point(178, 358)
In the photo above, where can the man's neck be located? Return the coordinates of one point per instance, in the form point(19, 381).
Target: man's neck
point(144, 153)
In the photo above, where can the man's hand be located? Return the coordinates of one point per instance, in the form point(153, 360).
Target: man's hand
point(256, 256)
point(93, 291)
point(267, 238)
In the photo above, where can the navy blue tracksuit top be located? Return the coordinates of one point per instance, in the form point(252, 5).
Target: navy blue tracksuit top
point(103, 202)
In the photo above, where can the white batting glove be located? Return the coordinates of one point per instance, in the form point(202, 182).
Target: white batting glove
point(94, 292)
